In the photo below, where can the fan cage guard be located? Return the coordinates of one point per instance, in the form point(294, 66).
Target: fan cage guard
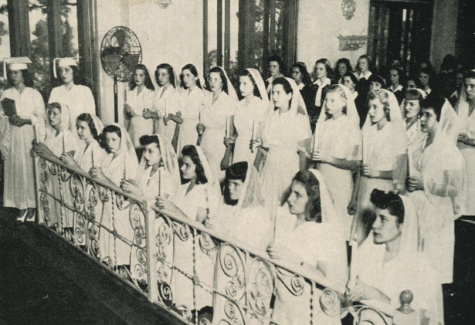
point(120, 52)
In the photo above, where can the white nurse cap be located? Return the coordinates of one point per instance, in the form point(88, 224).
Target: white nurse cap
point(17, 63)
point(63, 62)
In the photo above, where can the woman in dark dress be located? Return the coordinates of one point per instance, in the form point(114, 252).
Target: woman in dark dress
point(302, 78)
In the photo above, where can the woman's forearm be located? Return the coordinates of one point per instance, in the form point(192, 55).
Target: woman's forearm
point(342, 163)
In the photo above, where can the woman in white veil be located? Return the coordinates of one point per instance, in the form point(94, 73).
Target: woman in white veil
point(158, 173)
point(286, 126)
point(435, 183)
point(218, 108)
point(466, 138)
point(384, 154)
point(388, 263)
point(249, 119)
point(309, 234)
point(336, 147)
point(196, 200)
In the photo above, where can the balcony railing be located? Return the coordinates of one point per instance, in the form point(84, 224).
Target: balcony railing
point(176, 262)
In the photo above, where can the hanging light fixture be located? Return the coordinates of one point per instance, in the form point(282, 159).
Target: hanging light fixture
point(163, 3)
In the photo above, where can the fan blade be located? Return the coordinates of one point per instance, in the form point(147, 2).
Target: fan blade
point(120, 35)
point(130, 60)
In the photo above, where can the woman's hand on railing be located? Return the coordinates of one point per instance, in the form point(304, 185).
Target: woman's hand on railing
point(96, 172)
point(40, 148)
point(67, 159)
point(279, 252)
point(128, 186)
point(165, 205)
point(362, 291)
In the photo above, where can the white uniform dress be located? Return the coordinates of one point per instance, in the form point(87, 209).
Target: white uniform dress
point(214, 119)
point(138, 125)
point(166, 102)
point(244, 118)
point(19, 184)
point(79, 100)
point(189, 107)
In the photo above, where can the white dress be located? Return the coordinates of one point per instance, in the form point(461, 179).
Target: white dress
point(441, 167)
point(380, 151)
point(468, 153)
point(149, 184)
point(182, 287)
point(79, 100)
point(166, 102)
point(138, 125)
point(116, 169)
point(340, 139)
point(243, 120)
point(282, 135)
point(92, 152)
point(414, 131)
point(19, 184)
point(189, 107)
point(312, 242)
point(214, 119)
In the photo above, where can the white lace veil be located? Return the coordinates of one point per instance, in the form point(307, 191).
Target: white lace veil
point(450, 122)
point(261, 87)
point(251, 195)
point(97, 124)
point(351, 111)
point(212, 186)
point(231, 92)
point(395, 115)
point(169, 159)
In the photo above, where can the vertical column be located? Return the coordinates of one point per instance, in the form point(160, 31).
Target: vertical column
point(205, 36)
point(19, 24)
point(54, 31)
point(219, 52)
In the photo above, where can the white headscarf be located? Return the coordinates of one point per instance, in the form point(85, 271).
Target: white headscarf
point(261, 87)
point(329, 214)
point(97, 123)
point(462, 108)
point(169, 159)
point(297, 104)
point(212, 186)
point(351, 111)
point(231, 92)
point(395, 115)
point(450, 123)
point(251, 195)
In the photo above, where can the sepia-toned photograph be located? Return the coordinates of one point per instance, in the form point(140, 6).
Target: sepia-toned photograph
point(237, 162)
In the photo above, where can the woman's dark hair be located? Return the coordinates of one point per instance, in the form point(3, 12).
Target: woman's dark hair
point(237, 171)
point(378, 79)
point(469, 74)
point(246, 73)
point(149, 139)
point(194, 72)
point(448, 62)
point(328, 67)
point(352, 77)
point(54, 105)
point(413, 94)
point(426, 62)
point(416, 80)
point(430, 73)
point(77, 78)
point(148, 80)
point(223, 79)
point(400, 74)
point(370, 62)
point(280, 62)
point(170, 71)
point(346, 62)
point(306, 80)
point(313, 207)
point(434, 102)
point(86, 117)
point(190, 151)
point(27, 79)
point(110, 129)
point(390, 201)
point(285, 84)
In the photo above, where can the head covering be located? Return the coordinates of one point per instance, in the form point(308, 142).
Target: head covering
point(212, 186)
point(351, 111)
point(261, 86)
point(66, 122)
point(63, 62)
point(462, 108)
point(395, 116)
point(297, 104)
point(97, 124)
point(450, 123)
point(329, 214)
point(251, 195)
point(126, 144)
point(231, 91)
point(16, 63)
point(169, 159)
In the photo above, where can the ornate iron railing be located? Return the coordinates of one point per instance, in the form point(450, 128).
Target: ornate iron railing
point(177, 262)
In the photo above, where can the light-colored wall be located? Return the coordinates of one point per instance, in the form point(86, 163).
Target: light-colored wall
point(321, 22)
point(173, 35)
point(444, 30)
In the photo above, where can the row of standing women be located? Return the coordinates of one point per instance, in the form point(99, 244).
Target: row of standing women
point(276, 138)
